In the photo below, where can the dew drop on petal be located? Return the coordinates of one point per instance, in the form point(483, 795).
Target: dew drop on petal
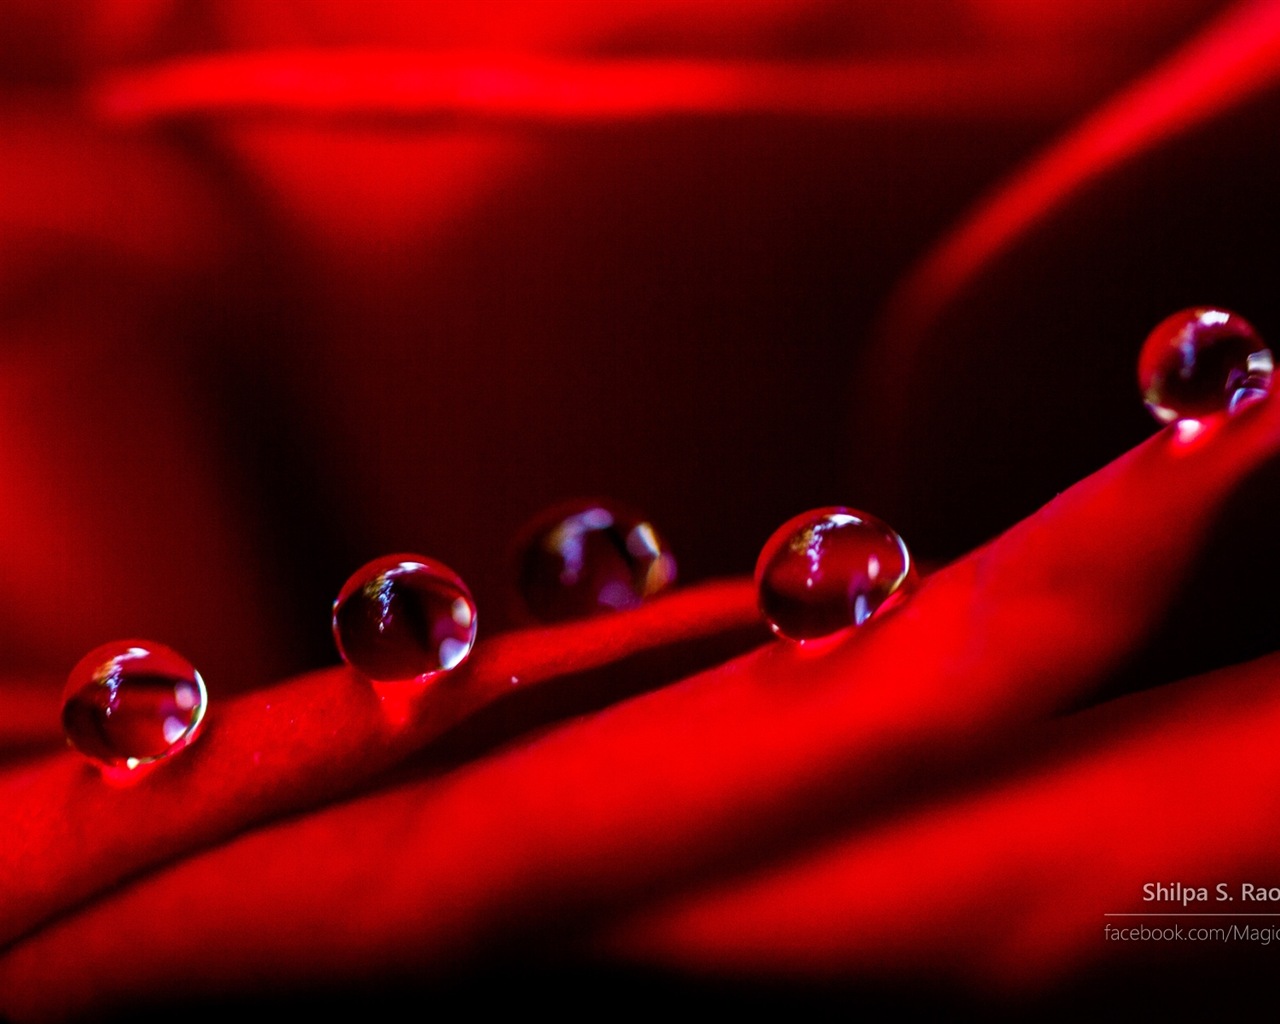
point(404, 617)
point(1202, 361)
point(132, 702)
point(586, 557)
point(830, 569)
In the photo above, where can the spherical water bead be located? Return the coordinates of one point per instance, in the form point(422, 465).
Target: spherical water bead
point(585, 557)
point(1202, 361)
point(830, 569)
point(132, 702)
point(404, 617)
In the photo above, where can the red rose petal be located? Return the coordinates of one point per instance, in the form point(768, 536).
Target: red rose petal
point(286, 748)
point(731, 765)
point(1006, 889)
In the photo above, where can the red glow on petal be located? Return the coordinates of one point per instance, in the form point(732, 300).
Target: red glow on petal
point(375, 189)
point(346, 83)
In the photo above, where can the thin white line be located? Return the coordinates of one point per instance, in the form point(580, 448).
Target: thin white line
point(1191, 915)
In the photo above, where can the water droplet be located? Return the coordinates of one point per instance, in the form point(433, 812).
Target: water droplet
point(132, 702)
point(1201, 361)
point(585, 557)
point(404, 617)
point(830, 569)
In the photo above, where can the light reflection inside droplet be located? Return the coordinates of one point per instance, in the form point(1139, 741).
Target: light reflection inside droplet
point(452, 652)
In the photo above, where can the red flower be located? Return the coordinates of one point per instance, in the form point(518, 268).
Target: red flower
point(291, 290)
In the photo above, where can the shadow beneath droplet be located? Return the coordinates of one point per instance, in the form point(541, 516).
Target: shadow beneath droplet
point(526, 711)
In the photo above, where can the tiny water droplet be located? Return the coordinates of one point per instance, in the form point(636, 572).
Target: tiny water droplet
point(132, 702)
point(585, 557)
point(829, 569)
point(1201, 361)
point(404, 617)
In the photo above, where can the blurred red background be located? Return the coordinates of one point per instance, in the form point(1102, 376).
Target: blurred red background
point(250, 346)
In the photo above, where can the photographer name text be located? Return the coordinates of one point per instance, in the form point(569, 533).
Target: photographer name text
point(1221, 892)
